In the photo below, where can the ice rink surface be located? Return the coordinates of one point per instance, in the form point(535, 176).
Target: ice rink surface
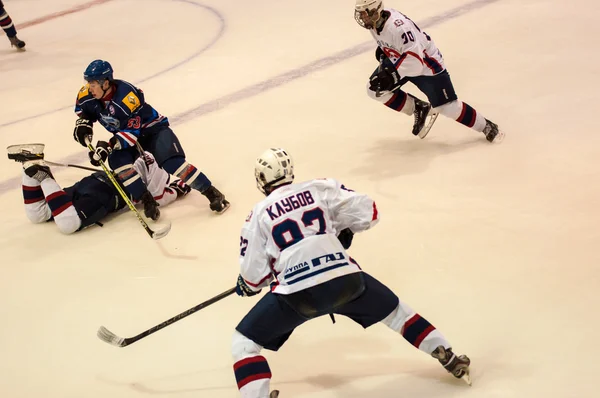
point(496, 245)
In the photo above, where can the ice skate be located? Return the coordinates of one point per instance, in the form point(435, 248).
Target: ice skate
point(218, 203)
point(457, 365)
point(150, 206)
point(25, 152)
point(274, 394)
point(17, 43)
point(37, 170)
point(492, 133)
point(423, 115)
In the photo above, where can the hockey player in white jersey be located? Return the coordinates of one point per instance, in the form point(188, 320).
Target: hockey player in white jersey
point(408, 54)
point(89, 200)
point(295, 240)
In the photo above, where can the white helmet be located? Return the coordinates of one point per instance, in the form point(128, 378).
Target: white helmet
point(368, 12)
point(273, 167)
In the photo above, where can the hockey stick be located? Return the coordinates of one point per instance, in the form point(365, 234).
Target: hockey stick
point(27, 152)
point(109, 337)
point(378, 91)
point(70, 165)
point(161, 233)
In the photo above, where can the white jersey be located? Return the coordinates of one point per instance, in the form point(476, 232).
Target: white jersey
point(409, 48)
point(291, 236)
point(155, 179)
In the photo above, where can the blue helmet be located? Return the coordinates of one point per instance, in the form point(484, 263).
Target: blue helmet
point(98, 70)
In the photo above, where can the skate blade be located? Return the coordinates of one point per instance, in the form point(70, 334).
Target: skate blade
point(227, 206)
point(467, 379)
point(431, 120)
point(499, 137)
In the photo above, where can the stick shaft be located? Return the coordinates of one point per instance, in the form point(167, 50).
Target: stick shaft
point(71, 165)
point(179, 317)
point(118, 187)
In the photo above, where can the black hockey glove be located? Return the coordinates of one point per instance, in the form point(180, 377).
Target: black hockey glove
point(242, 289)
point(83, 129)
point(103, 149)
point(345, 238)
point(385, 80)
point(180, 188)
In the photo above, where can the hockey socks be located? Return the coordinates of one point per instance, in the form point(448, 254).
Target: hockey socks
point(60, 205)
point(253, 376)
point(7, 24)
point(188, 173)
point(415, 329)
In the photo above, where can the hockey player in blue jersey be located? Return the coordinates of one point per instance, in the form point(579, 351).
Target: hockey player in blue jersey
point(121, 108)
point(9, 28)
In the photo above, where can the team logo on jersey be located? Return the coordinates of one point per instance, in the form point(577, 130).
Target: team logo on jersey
point(85, 90)
point(131, 101)
point(392, 54)
point(110, 123)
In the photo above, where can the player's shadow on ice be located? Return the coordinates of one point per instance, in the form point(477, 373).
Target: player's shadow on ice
point(333, 365)
point(390, 158)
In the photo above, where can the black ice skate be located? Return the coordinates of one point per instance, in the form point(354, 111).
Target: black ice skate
point(274, 394)
point(37, 170)
point(218, 203)
point(17, 43)
point(492, 134)
point(150, 206)
point(423, 114)
point(457, 365)
point(26, 152)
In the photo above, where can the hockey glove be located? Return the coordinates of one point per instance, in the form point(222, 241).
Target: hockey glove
point(345, 238)
point(384, 80)
point(242, 289)
point(83, 130)
point(103, 149)
point(180, 188)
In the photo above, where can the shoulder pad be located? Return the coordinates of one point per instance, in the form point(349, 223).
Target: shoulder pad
point(85, 90)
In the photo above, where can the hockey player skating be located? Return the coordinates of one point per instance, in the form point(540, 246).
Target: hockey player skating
point(9, 28)
point(296, 238)
point(408, 54)
point(90, 199)
point(121, 108)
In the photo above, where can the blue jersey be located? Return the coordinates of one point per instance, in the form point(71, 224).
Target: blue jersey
point(125, 114)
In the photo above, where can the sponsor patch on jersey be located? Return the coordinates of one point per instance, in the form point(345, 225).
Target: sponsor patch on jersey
point(398, 22)
point(111, 109)
point(131, 101)
point(85, 90)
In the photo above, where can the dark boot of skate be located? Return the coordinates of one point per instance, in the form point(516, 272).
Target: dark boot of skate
point(217, 200)
point(37, 170)
point(492, 134)
point(457, 365)
point(421, 110)
point(17, 43)
point(274, 394)
point(150, 206)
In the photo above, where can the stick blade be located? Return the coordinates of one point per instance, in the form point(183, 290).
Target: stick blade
point(109, 337)
point(161, 232)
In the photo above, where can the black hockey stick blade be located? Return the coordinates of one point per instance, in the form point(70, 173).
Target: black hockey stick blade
point(109, 337)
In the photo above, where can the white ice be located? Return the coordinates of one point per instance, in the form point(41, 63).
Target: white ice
point(496, 245)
